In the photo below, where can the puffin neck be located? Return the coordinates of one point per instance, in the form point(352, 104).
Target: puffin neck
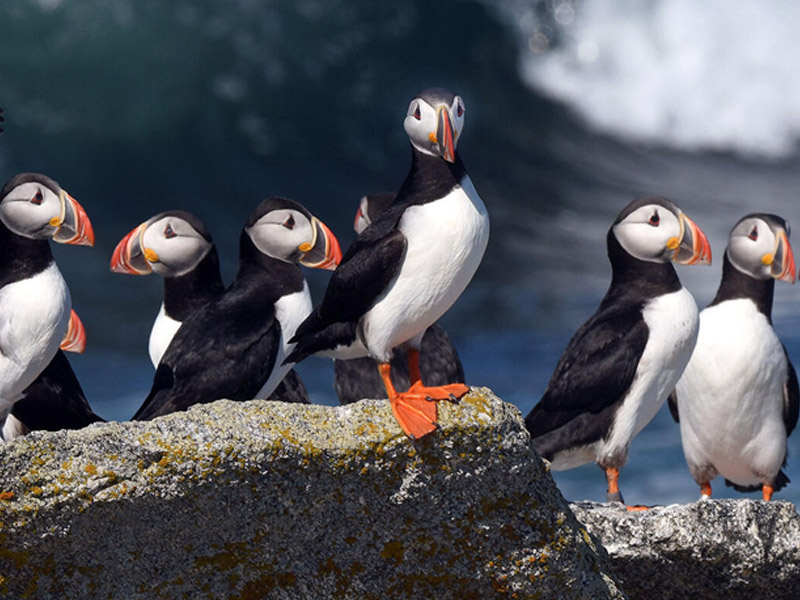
point(186, 293)
point(639, 278)
point(22, 257)
point(430, 177)
point(735, 284)
point(270, 278)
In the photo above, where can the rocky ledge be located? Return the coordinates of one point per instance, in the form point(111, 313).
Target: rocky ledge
point(273, 500)
point(710, 549)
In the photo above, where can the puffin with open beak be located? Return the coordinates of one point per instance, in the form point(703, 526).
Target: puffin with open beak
point(234, 346)
point(409, 266)
point(34, 297)
point(621, 365)
point(738, 399)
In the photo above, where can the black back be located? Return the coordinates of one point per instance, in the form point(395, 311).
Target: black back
point(187, 293)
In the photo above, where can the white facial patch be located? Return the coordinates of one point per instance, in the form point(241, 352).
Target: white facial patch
point(647, 231)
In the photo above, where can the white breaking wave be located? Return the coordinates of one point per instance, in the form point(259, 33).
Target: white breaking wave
point(712, 75)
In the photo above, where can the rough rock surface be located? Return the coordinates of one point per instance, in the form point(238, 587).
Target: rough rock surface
point(274, 500)
point(726, 549)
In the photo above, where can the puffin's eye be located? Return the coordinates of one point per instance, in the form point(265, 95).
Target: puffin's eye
point(38, 197)
point(654, 219)
point(169, 232)
point(417, 113)
point(289, 222)
point(460, 110)
point(753, 235)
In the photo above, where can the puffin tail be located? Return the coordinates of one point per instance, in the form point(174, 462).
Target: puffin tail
point(780, 482)
point(310, 340)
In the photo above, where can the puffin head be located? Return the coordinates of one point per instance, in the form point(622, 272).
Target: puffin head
point(285, 230)
point(434, 122)
point(369, 208)
point(36, 207)
point(170, 244)
point(759, 247)
point(656, 230)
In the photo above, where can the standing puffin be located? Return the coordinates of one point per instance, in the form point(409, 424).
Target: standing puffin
point(738, 398)
point(35, 304)
point(176, 245)
point(621, 365)
point(357, 378)
point(233, 347)
point(409, 266)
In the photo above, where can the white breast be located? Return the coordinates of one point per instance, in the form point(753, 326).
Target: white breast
point(730, 398)
point(672, 320)
point(446, 241)
point(33, 320)
point(290, 311)
point(164, 329)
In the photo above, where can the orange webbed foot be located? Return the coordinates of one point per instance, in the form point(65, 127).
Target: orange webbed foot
point(452, 392)
point(416, 416)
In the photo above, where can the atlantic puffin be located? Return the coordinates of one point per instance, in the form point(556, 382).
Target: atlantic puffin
point(233, 347)
point(620, 366)
point(738, 398)
point(409, 266)
point(35, 301)
point(176, 245)
point(439, 363)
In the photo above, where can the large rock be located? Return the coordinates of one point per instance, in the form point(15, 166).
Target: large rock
point(710, 549)
point(260, 499)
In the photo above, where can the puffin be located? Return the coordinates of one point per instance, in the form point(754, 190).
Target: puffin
point(357, 378)
point(34, 297)
point(407, 268)
point(738, 398)
point(233, 346)
point(620, 366)
point(176, 245)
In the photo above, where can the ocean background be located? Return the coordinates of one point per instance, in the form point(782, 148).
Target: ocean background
point(574, 108)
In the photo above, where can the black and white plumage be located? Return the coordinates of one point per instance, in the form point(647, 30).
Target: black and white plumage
point(176, 245)
point(439, 363)
point(54, 401)
point(620, 366)
point(35, 304)
point(233, 347)
point(409, 266)
point(738, 398)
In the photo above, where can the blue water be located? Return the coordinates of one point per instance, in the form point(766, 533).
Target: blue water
point(573, 109)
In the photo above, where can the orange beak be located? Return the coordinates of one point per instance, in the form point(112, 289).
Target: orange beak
point(782, 267)
point(444, 135)
point(128, 256)
point(73, 226)
point(75, 337)
point(693, 247)
point(324, 251)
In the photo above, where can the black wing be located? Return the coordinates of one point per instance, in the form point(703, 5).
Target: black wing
point(593, 374)
point(225, 350)
point(791, 397)
point(366, 270)
point(55, 400)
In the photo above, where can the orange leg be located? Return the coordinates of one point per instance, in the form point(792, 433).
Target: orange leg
point(613, 494)
point(767, 490)
point(452, 392)
point(416, 416)
point(705, 490)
